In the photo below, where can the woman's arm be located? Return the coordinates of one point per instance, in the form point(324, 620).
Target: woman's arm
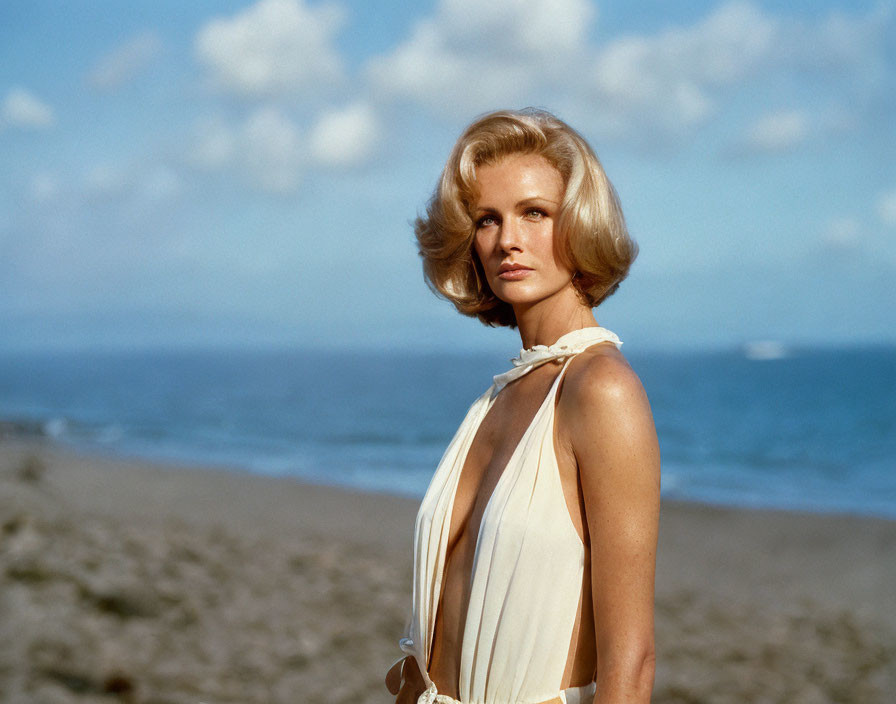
point(613, 437)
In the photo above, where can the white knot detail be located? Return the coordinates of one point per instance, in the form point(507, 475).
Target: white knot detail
point(569, 344)
point(432, 696)
point(533, 354)
point(429, 696)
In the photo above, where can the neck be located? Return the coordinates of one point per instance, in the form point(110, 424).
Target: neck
point(544, 322)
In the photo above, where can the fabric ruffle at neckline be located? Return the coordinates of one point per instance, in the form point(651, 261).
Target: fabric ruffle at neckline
point(569, 344)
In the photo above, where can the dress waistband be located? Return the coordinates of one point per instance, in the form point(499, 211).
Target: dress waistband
point(573, 695)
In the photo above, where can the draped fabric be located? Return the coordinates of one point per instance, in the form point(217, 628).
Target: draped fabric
point(528, 564)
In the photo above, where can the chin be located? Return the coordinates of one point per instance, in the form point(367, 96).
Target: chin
point(519, 293)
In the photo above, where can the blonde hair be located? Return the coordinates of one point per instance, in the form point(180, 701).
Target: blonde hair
point(597, 246)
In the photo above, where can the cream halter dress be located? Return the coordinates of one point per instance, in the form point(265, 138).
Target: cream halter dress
point(528, 564)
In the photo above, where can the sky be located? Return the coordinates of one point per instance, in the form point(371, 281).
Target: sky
point(245, 174)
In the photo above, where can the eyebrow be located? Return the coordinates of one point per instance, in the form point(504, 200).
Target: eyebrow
point(534, 200)
point(537, 199)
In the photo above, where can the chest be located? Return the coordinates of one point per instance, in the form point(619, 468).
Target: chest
point(511, 415)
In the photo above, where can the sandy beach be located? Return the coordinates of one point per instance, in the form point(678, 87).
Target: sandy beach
point(128, 581)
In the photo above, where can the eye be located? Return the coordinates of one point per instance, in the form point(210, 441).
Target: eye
point(486, 221)
point(536, 214)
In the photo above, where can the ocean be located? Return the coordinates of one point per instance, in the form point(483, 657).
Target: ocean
point(806, 429)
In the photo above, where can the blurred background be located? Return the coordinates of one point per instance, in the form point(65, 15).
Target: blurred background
point(207, 259)
point(191, 189)
point(242, 174)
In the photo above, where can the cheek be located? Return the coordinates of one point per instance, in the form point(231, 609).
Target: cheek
point(480, 246)
point(549, 249)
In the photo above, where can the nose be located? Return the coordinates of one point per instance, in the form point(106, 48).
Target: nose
point(510, 237)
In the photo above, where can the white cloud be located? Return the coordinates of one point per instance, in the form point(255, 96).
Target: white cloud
point(215, 144)
point(678, 78)
point(650, 86)
point(272, 48)
point(510, 52)
point(21, 108)
point(839, 42)
point(505, 58)
point(671, 80)
point(270, 150)
point(267, 148)
point(534, 28)
point(778, 132)
point(344, 137)
point(273, 149)
point(886, 208)
point(125, 62)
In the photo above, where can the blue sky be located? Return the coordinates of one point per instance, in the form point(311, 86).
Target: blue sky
point(244, 174)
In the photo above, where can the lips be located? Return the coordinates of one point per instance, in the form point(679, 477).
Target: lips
point(512, 272)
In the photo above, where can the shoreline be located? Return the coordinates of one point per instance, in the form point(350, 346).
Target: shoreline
point(152, 582)
point(204, 491)
point(32, 434)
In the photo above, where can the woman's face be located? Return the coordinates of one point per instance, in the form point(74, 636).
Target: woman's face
point(515, 218)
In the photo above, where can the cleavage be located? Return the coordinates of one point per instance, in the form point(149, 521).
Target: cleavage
point(508, 419)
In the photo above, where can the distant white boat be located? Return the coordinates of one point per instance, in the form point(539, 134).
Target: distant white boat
point(762, 350)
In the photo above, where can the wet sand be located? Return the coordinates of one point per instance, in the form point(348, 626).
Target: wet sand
point(124, 580)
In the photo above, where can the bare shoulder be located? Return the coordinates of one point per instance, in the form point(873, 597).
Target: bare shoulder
point(606, 419)
point(600, 380)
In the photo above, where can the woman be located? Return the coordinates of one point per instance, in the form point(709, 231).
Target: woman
point(535, 543)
